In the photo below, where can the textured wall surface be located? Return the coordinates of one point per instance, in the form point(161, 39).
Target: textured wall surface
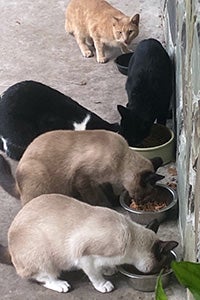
point(182, 29)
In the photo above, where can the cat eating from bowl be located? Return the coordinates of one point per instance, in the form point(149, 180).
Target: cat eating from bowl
point(54, 232)
point(78, 164)
point(149, 90)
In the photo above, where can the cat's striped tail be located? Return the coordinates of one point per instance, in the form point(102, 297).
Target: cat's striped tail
point(7, 180)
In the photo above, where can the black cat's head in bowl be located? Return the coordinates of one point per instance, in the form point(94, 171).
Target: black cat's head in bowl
point(132, 127)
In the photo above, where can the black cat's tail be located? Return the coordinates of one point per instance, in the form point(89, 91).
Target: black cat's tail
point(7, 180)
point(5, 257)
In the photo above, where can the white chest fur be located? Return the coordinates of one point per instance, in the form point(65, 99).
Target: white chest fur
point(83, 124)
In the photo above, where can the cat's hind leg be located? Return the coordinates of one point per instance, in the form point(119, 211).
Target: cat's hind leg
point(93, 194)
point(85, 50)
point(86, 263)
point(90, 42)
point(51, 282)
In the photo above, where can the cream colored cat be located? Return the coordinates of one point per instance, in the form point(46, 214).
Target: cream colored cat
point(98, 23)
point(77, 164)
point(54, 232)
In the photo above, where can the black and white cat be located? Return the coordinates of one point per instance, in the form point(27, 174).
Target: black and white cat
point(29, 108)
point(149, 89)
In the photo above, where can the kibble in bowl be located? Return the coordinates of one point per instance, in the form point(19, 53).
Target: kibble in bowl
point(159, 205)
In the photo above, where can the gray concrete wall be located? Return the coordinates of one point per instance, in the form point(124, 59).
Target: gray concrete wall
point(182, 30)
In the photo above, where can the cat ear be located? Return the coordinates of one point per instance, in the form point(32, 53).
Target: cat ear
point(122, 110)
point(165, 247)
point(151, 178)
point(156, 162)
point(135, 19)
point(153, 225)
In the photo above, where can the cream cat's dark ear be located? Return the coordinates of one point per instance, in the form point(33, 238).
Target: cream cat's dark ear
point(135, 19)
point(163, 247)
point(150, 177)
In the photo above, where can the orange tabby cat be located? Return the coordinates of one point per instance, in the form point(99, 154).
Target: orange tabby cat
point(98, 23)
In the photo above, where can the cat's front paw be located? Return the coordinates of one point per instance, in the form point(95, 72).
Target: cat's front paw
point(104, 287)
point(102, 59)
point(60, 286)
point(88, 53)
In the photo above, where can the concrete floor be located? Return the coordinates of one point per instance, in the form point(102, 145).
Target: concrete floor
point(34, 46)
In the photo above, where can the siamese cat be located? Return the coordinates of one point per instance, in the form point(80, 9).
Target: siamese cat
point(54, 232)
point(149, 90)
point(78, 164)
point(97, 23)
point(30, 108)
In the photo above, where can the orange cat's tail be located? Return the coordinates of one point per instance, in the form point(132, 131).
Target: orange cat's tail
point(7, 180)
point(5, 257)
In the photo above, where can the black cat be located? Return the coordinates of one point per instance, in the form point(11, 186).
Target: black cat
point(149, 89)
point(29, 108)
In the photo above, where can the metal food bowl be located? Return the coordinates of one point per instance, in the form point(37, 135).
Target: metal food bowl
point(145, 217)
point(145, 282)
point(122, 62)
point(164, 148)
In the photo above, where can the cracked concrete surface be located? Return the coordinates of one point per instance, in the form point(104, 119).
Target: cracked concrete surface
point(34, 46)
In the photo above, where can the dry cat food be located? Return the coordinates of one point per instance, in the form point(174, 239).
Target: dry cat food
point(148, 206)
point(172, 185)
point(159, 135)
point(158, 199)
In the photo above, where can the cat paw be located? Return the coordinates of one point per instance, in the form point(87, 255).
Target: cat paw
point(106, 287)
point(102, 60)
point(60, 286)
point(88, 53)
point(109, 271)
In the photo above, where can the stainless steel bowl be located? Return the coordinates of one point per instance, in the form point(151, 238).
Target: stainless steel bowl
point(145, 282)
point(145, 217)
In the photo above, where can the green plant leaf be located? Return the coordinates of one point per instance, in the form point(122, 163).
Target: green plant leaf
point(188, 274)
point(160, 294)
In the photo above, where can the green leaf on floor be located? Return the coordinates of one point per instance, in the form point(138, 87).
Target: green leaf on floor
point(160, 294)
point(188, 274)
